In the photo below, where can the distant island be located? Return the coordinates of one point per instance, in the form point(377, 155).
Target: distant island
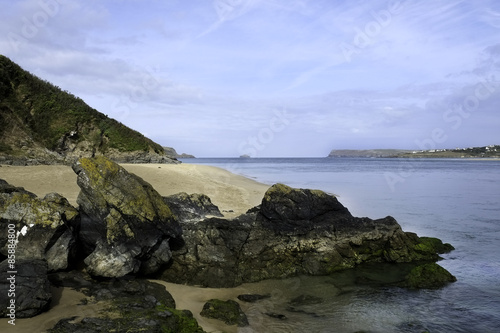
point(491, 151)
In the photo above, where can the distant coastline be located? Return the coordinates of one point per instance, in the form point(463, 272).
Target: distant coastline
point(491, 151)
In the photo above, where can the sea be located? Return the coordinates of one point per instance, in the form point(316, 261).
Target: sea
point(456, 200)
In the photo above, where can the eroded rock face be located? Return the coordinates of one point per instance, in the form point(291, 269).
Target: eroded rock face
point(125, 225)
point(43, 227)
point(293, 231)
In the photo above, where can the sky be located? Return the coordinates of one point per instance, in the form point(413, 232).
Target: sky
point(272, 78)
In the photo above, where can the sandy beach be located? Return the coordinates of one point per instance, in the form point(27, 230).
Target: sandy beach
point(227, 190)
point(233, 194)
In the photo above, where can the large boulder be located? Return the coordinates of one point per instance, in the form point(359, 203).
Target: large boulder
point(125, 225)
point(27, 284)
point(42, 228)
point(293, 231)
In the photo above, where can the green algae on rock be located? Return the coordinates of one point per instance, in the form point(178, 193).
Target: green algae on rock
point(428, 276)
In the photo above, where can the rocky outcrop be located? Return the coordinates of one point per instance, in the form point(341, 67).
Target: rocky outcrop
point(133, 306)
point(172, 153)
point(28, 286)
point(125, 225)
point(192, 207)
point(42, 228)
point(293, 231)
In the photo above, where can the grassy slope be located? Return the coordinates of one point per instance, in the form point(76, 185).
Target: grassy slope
point(49, 113)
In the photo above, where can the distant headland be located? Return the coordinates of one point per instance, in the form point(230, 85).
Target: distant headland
point(491, 151)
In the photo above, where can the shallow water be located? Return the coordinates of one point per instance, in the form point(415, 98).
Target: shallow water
point(456, 200)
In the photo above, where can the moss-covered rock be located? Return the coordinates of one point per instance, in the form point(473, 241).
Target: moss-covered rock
point(126, 226)
point(428, 276)
point(228, 311)
point(433, 245)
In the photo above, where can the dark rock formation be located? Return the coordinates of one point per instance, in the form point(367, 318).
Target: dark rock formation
point(28, 286)
point(125, 225)
point(134, 306)
point(228, 311)
point(191, 207)
point(293, 231)
point(43, 228)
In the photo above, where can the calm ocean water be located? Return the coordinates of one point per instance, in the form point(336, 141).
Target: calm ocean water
point(456, 200)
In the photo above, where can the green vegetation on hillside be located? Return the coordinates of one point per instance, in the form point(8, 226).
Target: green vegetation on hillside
point(49, 115)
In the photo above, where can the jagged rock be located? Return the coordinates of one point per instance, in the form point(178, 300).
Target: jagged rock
point(31, 288)
point(43, 228)
point(228, 311)
point(125, 225)
point(191, 207)
point(293, 231)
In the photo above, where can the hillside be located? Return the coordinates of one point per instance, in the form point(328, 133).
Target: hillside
point(42, 124)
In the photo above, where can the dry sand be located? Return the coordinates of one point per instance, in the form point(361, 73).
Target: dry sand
point(227, 190)
point(233, 194)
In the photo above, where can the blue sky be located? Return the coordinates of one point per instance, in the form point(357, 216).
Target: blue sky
point(272, 77)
